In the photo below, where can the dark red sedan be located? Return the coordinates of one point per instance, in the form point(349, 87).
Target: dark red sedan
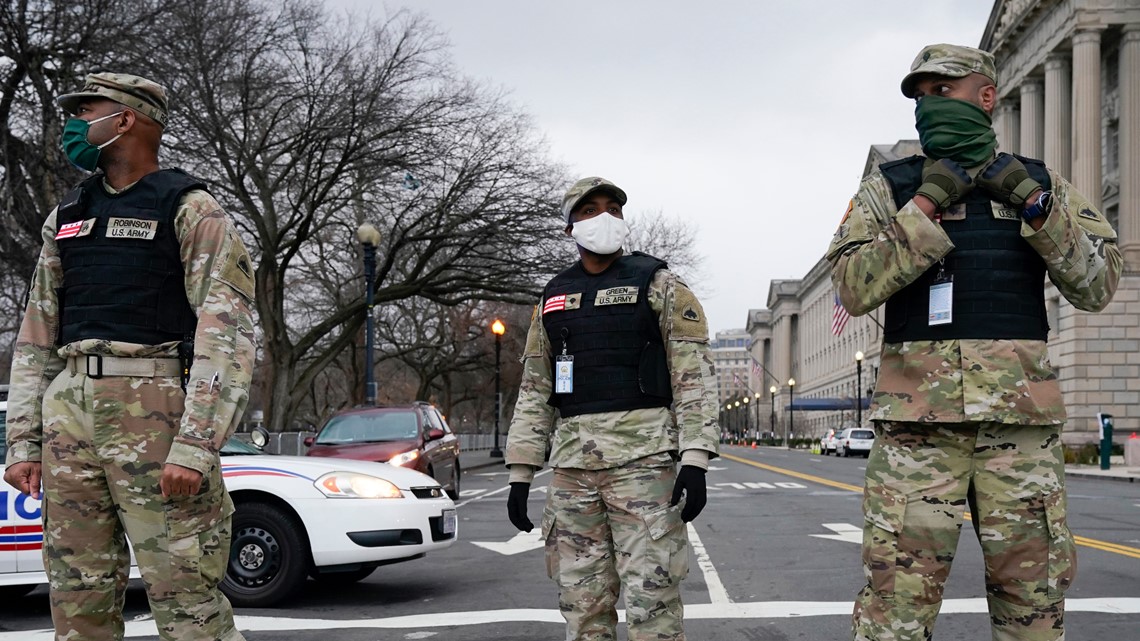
point(414, 436)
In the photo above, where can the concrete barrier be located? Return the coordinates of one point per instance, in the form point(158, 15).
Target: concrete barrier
point(1132, 452)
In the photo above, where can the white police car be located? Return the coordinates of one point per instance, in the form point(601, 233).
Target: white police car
point(334, 520)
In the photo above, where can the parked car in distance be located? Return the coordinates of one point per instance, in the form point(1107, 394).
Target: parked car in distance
point(827, 442)
point(414, 436)
point(855, 440)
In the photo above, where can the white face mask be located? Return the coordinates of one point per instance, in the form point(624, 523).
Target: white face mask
point(603, 234)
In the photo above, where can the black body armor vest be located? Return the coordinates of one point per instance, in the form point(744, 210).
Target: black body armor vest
point(607, 325)
point(999, 280)
point(123, 278)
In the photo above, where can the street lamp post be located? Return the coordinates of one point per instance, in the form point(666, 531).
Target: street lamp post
point(497, 328)
point(737, 416)
point(756, 404)
point(772, 392)
point(369, 237)
point(859, 389)
point(747, 416)
point(791, 413)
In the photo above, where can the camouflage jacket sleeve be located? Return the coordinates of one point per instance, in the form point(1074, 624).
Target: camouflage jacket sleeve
point(685, 328)
point(879, 249)
point(1079, 248)
point(219, 285)
point(533, 420)
point(35, 360)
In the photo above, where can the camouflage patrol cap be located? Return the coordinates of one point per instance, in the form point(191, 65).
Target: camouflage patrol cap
point(954, 61)
point(584, 187)
point(142, 95)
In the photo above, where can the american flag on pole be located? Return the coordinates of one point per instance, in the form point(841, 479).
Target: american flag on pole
point(756, 371)
point(839, 317)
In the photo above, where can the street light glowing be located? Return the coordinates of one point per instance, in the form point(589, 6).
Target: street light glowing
point(745, 399)
point(858, 356)
point(737, 403)
point(367, 234)
point(772, 389)
point(791, 382)
point(757, 394)
point(498, 328)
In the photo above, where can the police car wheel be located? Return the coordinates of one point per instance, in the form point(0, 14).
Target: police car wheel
point(268, 559)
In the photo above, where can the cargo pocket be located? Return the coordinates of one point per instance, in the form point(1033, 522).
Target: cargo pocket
point(197, 533)
point(550, 536)
point(667, 549)
point(884, 515)
point(1062, 549)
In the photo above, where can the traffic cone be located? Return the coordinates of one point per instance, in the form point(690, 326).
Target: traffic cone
point(753, 444)
point(1133, 435)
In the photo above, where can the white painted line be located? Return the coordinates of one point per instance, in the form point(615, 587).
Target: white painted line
point(815, 460)
point(471, 492)
point(494, 474)
point(498, 491)
point(717, 593)
point(521, 542)
point(756, 610)
point(843, 532)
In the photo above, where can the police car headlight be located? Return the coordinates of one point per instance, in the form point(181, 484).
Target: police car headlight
point(405, 459)
point(356, 486)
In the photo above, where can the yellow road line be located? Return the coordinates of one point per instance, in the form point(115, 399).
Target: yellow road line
point(1096, 544)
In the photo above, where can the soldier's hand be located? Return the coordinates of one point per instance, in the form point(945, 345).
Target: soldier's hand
point(516, 506)
point(179, 481)
point(691, 480)
point(1007, 180)
point(25, 476)
point(944, 182)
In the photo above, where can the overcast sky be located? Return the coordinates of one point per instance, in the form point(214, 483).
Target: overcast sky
point(752, 117)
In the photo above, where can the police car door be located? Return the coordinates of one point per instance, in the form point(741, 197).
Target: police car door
point(21, 530)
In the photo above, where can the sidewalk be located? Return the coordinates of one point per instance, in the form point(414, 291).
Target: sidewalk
point(1116, 473)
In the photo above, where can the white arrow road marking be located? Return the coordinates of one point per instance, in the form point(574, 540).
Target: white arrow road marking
point(493, 474)
point(522, 542)
point(713, 468)
point(843, 532)
point(720, 611)
point(471, 492)
point(717, 593)
point(498, 491)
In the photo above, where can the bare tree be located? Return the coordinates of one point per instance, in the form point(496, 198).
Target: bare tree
point(306, 125)
point(673, 240)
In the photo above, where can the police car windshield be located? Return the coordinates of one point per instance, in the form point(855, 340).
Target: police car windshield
point(371, 427)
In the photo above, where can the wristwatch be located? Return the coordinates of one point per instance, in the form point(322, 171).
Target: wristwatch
point(1039, 208)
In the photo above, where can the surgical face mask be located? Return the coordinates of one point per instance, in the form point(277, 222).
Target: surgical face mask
point(79, 150)
point(603, 234)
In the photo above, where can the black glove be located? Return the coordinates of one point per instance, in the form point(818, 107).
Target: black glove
point(1007, 180)
point(516, 506)
point(691, 479)
point(944, 183)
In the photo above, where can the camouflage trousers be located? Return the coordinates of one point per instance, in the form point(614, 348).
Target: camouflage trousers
point(613, 528)
point(105, 444)
point(918, 478)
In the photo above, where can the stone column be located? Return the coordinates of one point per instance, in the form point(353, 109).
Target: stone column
point(1087, 115)
point(1032, 119)
point(1058, 114)
point(784, 350)
point(1130, 146)
point(1008, 127)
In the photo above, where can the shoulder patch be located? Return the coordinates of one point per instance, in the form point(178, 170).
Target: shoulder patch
point(235, 268)
point(688, 322)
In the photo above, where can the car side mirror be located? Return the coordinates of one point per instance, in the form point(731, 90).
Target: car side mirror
point(308, 441)
point(434, 434)
point(259, 437)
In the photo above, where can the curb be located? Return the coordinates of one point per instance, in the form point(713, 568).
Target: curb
point(1100, 477)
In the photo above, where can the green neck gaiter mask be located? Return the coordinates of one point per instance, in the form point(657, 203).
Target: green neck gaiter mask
point(954, 129)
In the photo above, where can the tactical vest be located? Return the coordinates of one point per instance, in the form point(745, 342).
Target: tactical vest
point(605, 322)
point(123, 278)
point(998, 279)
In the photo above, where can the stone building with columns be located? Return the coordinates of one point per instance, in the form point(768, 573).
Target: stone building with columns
point(1069, 94)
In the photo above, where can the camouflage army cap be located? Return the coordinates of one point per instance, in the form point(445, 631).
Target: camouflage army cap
point(585, 187)
point(954, 61)
point(142, 95)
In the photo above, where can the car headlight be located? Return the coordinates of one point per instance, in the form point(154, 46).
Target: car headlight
point(405, 459)
point(356, 486)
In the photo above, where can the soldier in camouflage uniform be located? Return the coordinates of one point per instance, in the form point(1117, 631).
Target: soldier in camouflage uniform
point(135, 261)
point(967, 408)
point(618, 384)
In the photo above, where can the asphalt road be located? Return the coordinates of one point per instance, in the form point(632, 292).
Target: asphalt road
point(775, 557)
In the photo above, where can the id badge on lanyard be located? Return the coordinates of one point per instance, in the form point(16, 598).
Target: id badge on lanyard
point(941, 311)
point(564, 369)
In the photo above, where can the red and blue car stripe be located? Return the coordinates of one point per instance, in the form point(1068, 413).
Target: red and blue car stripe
point(229, 471)
point(16, 538)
